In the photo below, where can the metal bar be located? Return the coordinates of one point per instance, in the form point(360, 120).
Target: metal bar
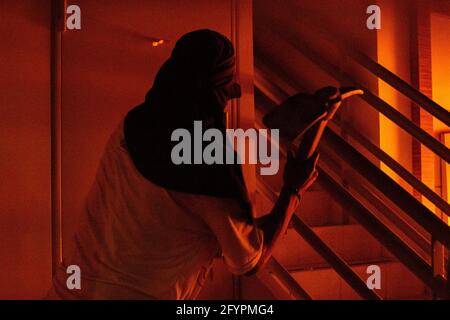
point(402, 251)
point(418, 133)
point(406, 227)
point(395, 166)
point(388, 187)
point(399, 84)
point(55, 64)
point(413, 261)
point(274, 285)
point(378, 103)
point(342, 41)
point(382, 233)
point(285, 277)
point(338, 264)
point(404, 200)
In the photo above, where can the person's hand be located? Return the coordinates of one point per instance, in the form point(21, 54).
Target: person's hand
point(298, 176)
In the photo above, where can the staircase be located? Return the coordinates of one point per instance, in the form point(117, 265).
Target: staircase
point(332, 221)
point(355, 216)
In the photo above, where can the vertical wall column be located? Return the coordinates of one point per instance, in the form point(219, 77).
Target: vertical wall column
point(57, 11)
point(423, 159)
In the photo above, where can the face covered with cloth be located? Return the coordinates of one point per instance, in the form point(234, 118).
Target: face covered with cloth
point(194, 84)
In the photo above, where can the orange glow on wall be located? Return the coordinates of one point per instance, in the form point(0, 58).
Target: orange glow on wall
point(446, 175)
point(440, 51)
point(393, 53)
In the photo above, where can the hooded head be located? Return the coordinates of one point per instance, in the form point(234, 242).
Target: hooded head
point(197, 80)
point(194, 84)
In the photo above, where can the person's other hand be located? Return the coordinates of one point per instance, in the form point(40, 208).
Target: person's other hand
point(300, 175)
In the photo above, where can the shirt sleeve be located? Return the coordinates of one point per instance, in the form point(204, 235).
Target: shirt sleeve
point(240, 240)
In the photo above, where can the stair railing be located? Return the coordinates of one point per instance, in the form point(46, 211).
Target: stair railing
point(420, 213)
point(372, 99)
point(335, 261)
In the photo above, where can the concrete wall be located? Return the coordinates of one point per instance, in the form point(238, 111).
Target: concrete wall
point(440, 49)
point(107, 68)
point(25, 222)
point(393, 54)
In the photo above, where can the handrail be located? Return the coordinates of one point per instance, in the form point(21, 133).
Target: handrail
point(383, 234)
point(395, 166)
point(336, 262)
point(363, 215)
point(404, 200)
point(391, 163)
point(285, 277)
point(433, 224)
point(421, 241)
point(341, 41)
point(402, 86)
point(273, 284)
point(404, 226)
point(416, 132)
point(378, 103)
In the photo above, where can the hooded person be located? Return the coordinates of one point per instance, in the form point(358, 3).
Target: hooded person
point(151, 228)
point(194, 84)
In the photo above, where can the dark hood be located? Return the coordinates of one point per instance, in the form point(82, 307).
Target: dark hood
point(195, 83)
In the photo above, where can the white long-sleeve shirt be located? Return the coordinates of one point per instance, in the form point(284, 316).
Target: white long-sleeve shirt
point(138, 240)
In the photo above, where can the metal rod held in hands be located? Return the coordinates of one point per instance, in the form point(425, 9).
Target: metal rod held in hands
point(305, 145)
